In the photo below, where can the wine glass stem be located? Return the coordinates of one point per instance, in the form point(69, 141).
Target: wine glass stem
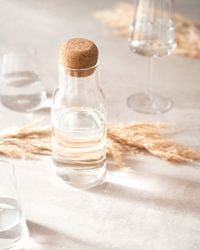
point(148, 91)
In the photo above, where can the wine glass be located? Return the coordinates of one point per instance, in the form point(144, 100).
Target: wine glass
point(152, 34)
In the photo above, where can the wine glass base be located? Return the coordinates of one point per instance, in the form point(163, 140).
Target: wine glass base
point(154, 104)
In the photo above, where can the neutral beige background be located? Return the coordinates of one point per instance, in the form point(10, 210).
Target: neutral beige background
point(152, 205)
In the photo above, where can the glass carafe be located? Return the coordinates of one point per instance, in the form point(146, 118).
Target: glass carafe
point(79, 127)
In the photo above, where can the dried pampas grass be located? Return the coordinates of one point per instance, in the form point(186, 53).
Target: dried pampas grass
point(147, 137)
point(187, 32)
point(26, 142)
point(137, 138)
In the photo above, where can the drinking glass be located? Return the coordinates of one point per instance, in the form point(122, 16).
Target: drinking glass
point(13, 227)
point(20, 84)
point(152, 34)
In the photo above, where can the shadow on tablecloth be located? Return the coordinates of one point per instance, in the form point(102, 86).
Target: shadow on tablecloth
point(43, 237)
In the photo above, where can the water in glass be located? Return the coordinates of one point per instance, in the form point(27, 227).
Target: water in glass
point(11, 222)
point(21, 88)
point(79, 137)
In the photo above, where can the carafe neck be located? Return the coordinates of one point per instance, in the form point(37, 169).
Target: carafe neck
point(78, 78)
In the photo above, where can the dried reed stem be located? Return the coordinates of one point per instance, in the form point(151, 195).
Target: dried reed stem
point(147, 137)
point(137, 138)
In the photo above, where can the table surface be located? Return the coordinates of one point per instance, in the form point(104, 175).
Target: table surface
point(150, 205)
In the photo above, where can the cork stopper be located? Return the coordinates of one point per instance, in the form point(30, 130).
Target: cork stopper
point(78, 55)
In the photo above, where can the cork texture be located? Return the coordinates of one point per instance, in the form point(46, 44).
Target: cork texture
point(80, 54)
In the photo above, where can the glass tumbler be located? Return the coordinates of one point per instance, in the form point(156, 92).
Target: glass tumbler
point(21, 88)
point(13, 227)
point(79, 127)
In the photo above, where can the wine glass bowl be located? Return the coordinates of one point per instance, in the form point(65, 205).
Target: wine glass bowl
point(152, 34)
